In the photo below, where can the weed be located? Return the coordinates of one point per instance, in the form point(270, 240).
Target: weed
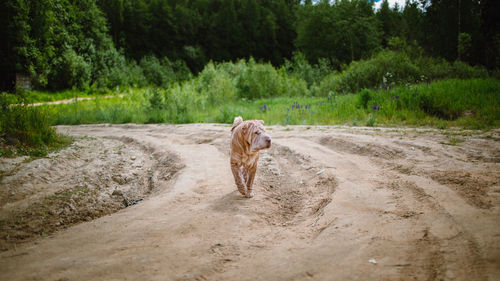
point(371, 121)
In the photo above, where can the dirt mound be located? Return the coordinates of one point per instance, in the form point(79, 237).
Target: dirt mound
point(92, 178)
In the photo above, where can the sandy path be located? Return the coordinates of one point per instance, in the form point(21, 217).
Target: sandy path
point(328, 200)
point(66, 101)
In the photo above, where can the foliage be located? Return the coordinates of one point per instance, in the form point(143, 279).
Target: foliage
point(262, 81)
point(364, 97)
point(389, 68)
point(104, 44)
point(193, 31)
point(341, 32)
point(27, 128)
point(246, 80)
point(468, 103)
point(464, 45)
point(386, 68)
point(300, 68)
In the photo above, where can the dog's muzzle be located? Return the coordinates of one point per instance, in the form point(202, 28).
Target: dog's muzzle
point(268, 142)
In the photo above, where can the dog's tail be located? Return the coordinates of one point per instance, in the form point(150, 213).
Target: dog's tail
point(237, 120)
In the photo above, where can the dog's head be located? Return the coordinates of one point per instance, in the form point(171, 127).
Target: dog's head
point(253, 133)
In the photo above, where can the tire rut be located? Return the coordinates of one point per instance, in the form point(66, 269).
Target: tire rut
point(437, 256)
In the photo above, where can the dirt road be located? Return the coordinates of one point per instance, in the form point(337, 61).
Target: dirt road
point(66, 101)
point(331, 203)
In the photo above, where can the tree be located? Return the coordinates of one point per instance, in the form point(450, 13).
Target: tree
point(342, 32)
point(390, 22)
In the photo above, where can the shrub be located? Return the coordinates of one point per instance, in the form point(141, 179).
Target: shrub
point(390, 68)
point(387, 67)
point(23, 125)
point(433, 68)
point(464, 71)
point(155, 73)
point(70, 70)
point(258, 81)
point(228, 81)
point(163, 72)
point(263, 80)
point(300, 68)
point(363, 98)
point(226, 114)
point(120, 73)
point(215, 82)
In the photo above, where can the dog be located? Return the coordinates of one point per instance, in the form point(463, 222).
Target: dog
point(247, 139)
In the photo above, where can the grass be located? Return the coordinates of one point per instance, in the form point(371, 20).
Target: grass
point(26, 130)
point(469, 103)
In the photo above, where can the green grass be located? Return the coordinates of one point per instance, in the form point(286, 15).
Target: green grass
point(26, 130)
point(470, 104)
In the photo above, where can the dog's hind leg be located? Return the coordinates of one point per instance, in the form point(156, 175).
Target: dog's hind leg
point(238, 178)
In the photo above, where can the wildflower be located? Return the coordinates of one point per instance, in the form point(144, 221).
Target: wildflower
point(376, 107)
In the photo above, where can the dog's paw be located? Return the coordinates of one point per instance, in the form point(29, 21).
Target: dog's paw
point(249, 195)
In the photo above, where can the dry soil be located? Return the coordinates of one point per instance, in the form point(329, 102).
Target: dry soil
point(158, 202)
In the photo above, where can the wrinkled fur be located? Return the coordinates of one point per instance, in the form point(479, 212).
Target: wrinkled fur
point(247, 139)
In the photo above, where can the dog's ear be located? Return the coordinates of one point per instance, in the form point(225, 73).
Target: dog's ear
point(237, 120)
point(261, 122)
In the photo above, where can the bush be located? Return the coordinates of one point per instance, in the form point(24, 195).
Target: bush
point(70, 70)
point(226, 114)
point(391, 68)
point(363, 98)
point(216, 83)
point(258, 81)
point(263, 80)
point(119, 72)
point(163, 72)
point(436, 69)
point(464, 71)
point(25, 126)
point(433, 68)
point(155, 73)
point(386, 68)
point(300, 68)
point(224, 82)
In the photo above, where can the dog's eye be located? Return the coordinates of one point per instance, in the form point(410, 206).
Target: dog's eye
point(257, 133)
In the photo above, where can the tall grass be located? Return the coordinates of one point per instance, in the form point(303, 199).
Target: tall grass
point(469, 103)
point(27, 129)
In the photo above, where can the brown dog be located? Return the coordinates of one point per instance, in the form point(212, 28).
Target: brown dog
point(247, 139)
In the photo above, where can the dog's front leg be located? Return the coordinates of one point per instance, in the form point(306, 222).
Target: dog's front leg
point(238, 178)
point(249, 180)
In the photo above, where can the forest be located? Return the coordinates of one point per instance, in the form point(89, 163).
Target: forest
point(428, 63)
point(64, 44)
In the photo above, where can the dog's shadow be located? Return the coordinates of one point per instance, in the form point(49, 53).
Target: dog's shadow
point(231, 202)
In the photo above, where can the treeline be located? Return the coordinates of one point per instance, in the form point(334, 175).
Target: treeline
point(88, 43)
